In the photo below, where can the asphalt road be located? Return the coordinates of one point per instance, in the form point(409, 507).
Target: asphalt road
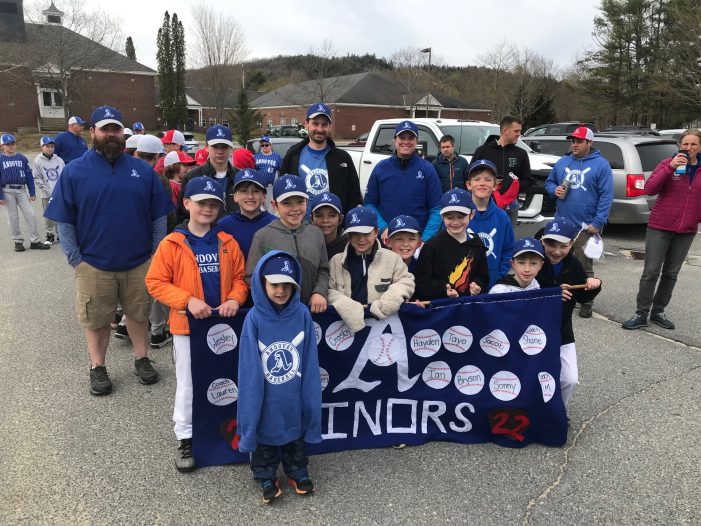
point(66, 457)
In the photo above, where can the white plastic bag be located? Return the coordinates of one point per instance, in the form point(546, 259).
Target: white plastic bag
point(594, 248)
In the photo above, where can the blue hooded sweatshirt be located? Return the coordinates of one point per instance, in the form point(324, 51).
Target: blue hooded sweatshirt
point(279, 382)
point(406, 186)
point(591, 194)
point(242, 229)
point(493, 226)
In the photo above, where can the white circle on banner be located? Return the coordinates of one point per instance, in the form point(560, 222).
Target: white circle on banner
point(533, 340)
point(338, 336)
point(221, 338)
point(457, 339)
point(437, 375)
point(317, 332)
point(469, 380)
point(222, 391)
point(505, 386)
point(324, 375)
point(425, 343)
point(547, 385)
point(384, 350)
point(495, 343)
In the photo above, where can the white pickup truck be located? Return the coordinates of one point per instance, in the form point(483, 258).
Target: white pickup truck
point(468, 136)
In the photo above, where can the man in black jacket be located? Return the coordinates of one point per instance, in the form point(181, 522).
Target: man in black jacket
point(325, 167)
point(220, 146)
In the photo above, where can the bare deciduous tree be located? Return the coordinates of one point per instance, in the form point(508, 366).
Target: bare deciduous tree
point(500, 60)
point(219, 48)
point(410, 69)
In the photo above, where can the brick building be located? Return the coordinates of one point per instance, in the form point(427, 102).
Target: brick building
point(41, 63)
point(357, 101)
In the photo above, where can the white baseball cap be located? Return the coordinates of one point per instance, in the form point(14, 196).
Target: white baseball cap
point(149, 144)
point(133, 141)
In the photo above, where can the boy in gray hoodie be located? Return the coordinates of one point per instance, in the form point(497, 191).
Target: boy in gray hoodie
point(47, 169)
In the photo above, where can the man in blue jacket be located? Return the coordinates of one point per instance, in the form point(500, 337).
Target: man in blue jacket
point(70, 143)
point(588, 200)
point(405, 184)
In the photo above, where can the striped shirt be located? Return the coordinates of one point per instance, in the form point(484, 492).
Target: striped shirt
point(15, 169)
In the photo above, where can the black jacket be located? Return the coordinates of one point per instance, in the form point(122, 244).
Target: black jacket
point(208, 170)
point(572, 273)
point(343, 178)
point(508, 159)
point(443, 260)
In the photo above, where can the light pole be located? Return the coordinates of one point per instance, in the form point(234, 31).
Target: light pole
point(428, 82)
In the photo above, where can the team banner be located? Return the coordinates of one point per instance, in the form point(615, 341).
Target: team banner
point(484, 369)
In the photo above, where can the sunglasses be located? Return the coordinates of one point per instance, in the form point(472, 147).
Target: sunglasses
point(265, 145)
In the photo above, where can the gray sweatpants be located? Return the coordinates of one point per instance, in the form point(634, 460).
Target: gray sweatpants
point(17, 199)
point(50, 224)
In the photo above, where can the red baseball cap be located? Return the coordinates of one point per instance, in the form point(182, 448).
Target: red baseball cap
point(177, 157)
point(173, 137)
point(243, 158)
point(201, 156)
point(582, 133)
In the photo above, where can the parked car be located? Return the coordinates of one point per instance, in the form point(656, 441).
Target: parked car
point(287, 130)
point(558, 128)
point(632, 159)
point(360, 140)
point(280, 144)
point(630, 130)
point(672, 133)
point(190, 142)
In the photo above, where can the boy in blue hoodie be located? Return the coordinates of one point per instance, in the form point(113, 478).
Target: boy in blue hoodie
point(249, 194)
point(490, 223)
point(279, 406)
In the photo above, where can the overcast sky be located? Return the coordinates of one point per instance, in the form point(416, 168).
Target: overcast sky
point(458, 31)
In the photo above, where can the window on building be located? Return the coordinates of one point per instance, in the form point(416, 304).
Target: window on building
point(270, 122)
point(225, 123)
point(212, 121)
point(294, 121)
point(46, 96)
point(283, 121)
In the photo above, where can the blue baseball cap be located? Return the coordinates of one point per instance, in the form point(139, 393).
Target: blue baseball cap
point(250, 176)
point(361, 220)
point(406, 126)
point(76, 120)
point(403, 224)
point(7, 138)
point(137, 126)
point(281, 268)
point(46, 140)
point(457, 200)
point(326, 199)
point(219, 134)
point(560, 229)
point(201, 188)
point(104, 115)
point(287, 186)
point(482, 164)
point(319, 109)
point(264, 138)
point(528, 244)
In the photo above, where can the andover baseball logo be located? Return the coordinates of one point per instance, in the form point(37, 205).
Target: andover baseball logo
point(554, 227)
point(320, 108)
point(134, 173)
point(407, 126)
point(453, 199)
point(289, 185)
point(247, 175)
point(576, 177)
point(281, 360)
point(209, 187)
point(354, 219)
point(317, 181)
point(487, 239)
point(286, 267)
point(109, 114)
point(325, 198)
point(527, 244)
point(220, 133)
point(51, 174)
point(399, 223)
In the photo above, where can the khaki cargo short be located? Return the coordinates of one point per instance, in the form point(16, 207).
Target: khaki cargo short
point(98, 292)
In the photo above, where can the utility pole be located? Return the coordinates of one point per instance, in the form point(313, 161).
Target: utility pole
point(428, 82)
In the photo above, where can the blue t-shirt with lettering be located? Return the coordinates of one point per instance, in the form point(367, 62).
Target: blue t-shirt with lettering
point(206, 249)
point(312, 166)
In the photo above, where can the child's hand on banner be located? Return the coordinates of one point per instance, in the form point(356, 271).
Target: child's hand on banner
point(198, 308)
point(450, 291)
point(229, 308)
point(566, 292)
point(475, 289)
point(593, 283)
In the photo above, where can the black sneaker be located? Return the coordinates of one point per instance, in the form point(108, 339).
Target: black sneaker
point(38, 245)
point(637, 321)
point(145, 371)
point(302, 486)
point(271, 490)
point(100, 383)
point(50, 238)
point(121, 333)
point(585, 310)
point(184, 461)
point(660, 319)
point(161, 340)
point(19, 247)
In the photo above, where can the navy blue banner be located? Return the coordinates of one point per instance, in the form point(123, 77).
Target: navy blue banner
point(484, 369)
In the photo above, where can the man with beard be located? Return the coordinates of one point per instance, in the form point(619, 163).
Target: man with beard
point(111, 214)
point(324, 167)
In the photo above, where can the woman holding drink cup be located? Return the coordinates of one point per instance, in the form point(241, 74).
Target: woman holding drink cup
point(671, 229)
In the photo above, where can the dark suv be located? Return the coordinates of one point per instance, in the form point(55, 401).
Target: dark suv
point(558, 128)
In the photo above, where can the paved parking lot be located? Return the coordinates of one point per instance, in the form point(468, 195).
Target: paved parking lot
point(632, 456)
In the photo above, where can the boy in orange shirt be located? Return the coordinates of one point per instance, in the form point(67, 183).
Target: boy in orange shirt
point(201, 269)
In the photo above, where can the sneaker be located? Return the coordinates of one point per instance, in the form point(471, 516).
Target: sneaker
point(585, 310)
point(50, 238)
point(184, 461)
point(38, 245)
point(660, 319)
point(398, 446)
point(637, 321)
point(271, 490)
point(19, 247)
point(100, 383)
point(145, 371)
point(121, 333)
point(161, 340)
point(302, 486)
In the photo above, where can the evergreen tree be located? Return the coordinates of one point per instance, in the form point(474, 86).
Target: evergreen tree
point(178, 41)
point(245, 118)
point(131, 52)
point(166, 71)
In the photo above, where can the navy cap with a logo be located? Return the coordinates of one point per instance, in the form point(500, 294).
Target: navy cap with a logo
point(528, 244)
point(219, 134)
point(361, 220)
point(75, 119)
point(7, 138)
point(250, 176)
point(46, 140)
point(457, 200)
point(403, 224)
point(319, 109)
point(201, 188)
point(326, 199)
point(281, 268)
point(482, 164)
point(560, 229)
point(137, 126)
point(406, 126)
point(104, 115)
point(287, 186)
